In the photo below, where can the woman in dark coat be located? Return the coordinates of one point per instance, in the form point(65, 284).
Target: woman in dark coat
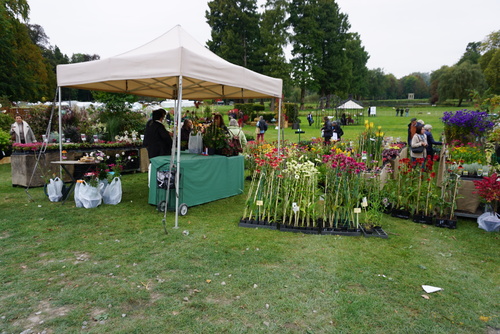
point(327, 130)
point(157, 140)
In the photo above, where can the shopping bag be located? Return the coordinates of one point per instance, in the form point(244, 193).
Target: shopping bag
point(195, 144)
point(78, 202)
point(90, 196)
point(54, 189)
point(489, 221)
point(113, 192)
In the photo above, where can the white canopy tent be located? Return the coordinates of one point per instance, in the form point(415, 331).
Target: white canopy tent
point(172, 66)
point(349, 104)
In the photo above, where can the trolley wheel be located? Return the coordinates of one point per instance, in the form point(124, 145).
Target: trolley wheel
point(183, 209)
point(162, 206)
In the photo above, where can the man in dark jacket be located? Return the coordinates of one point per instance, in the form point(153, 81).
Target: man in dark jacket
point(157, 140)
point(430, 141)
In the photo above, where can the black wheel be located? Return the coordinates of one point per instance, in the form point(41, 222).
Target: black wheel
point(183, 209)
point(162, 206)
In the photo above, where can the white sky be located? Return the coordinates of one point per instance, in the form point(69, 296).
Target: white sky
point(401, 36)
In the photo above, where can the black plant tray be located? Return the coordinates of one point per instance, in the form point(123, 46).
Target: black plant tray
point(338, 231)
point(258, 224)
point(421, 219)
point(403, 214)
point(377, 232)
point(299, 229)
point(446, 223)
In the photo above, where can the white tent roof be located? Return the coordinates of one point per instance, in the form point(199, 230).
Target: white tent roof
point(350, 104)
point(153, 70)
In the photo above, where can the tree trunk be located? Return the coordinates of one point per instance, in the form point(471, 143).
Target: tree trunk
point(302, 98)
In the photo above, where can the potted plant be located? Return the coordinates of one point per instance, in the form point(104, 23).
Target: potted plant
point(489, 190)
point(214, 139)
point(5, 144)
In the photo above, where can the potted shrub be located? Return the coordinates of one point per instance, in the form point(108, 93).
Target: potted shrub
point(5, 144)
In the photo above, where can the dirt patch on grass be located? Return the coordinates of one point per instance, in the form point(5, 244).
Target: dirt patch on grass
point(4, 235)
point(43, 312)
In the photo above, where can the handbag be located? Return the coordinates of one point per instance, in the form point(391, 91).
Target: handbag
point(419, 149)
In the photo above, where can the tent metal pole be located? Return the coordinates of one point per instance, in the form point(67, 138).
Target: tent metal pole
point(60, 129)
point(177, 178)
point(279, 127)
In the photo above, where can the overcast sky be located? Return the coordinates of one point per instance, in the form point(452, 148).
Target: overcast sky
point(401, 36)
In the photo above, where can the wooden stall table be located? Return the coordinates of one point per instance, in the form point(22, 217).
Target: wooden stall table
point(76, 172)
point(203, 178)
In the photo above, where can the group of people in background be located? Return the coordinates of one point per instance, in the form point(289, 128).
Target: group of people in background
point(420, 134)
point(331, 129)
point(400, 111)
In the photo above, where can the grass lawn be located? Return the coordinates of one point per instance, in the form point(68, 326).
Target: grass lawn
point(113, 270)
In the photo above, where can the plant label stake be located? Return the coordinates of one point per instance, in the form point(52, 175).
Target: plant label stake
point(259, 203)
point(357, 211)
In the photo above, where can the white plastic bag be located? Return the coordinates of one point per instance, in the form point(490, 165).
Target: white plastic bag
point(195, 144)
point(489, 221)
point(54, 189)
point(78, 186)
point(90, 196)
point(113, 192)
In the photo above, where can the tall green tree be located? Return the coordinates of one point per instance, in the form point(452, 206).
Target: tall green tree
point(357, 58)
point(274, 37)
point(490, 61)
point(376, 84)
point(472, 53)
point(235, 31)
point(23, 73)
point(303, 21)
point(434, 86)
point(458, 81)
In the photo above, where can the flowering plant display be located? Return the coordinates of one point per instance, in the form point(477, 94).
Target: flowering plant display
point(489, 189)
point(466, 153)
point(466, 125)
point(370, 143)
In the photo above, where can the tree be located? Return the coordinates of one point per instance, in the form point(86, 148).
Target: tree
point(414, 84)
point(472, 53)
point(274, 37)
point(235, 31)
point(435, 79)
point(357, 59)
point(376, 84)
point(304, 25)
point(458, 81)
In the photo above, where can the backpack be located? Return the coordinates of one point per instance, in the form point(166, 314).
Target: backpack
point(234, 145)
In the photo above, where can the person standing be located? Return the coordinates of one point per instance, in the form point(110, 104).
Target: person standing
point(327, 130)
point(418, 142)
point(22, 131)
point(336, 129)
point(430, 141)
point(310, 119)
point(235, 131)
point(156, 138)
point(411, 129)
point(261, 129)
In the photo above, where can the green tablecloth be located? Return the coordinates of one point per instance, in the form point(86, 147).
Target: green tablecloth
point(203, 178)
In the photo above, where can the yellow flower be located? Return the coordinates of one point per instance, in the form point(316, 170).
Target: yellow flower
point(379, 127)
